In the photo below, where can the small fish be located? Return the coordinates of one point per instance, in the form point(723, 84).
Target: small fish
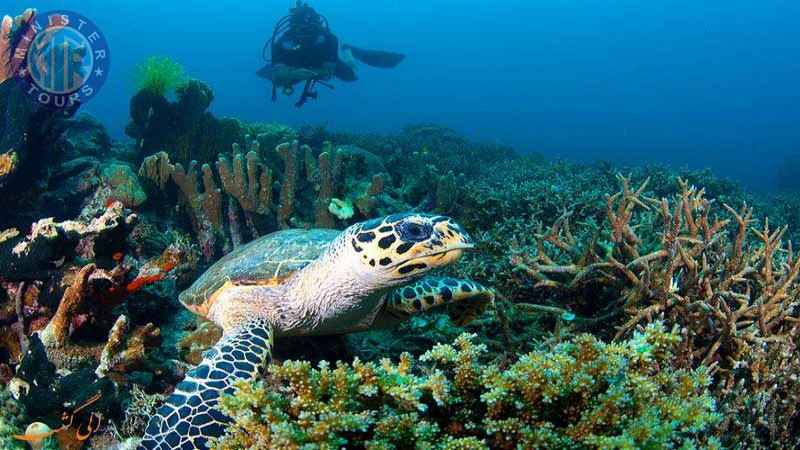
point(425, 150)
point(117, 256)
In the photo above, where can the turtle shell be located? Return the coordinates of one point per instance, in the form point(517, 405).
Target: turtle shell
point(270, 259)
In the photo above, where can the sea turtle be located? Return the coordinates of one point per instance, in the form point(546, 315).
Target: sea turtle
point(305, 282)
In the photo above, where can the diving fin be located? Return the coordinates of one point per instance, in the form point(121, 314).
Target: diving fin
point(265, 72)
point(376, 58)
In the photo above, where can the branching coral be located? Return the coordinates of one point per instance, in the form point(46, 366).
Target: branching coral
point(247, 184)
point(734, 290)
point(253, 188)
point(91, 294)
point(580, 393)
point(7, 26)
point(732, 285)
point(90, 289)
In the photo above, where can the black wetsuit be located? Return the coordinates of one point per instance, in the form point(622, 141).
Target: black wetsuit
point(310, 51)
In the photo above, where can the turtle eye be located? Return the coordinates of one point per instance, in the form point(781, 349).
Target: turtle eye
point(414, 232)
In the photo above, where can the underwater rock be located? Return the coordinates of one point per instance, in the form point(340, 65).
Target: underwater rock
point(184, 127)
point(71, 184)
point(365, 163)
point(29, 135)
point(45, 393)
point(86, 136)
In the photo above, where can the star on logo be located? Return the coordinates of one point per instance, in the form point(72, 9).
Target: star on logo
point(22, 72)
point(98, 72)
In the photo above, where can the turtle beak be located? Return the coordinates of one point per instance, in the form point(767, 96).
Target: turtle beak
point(450, 236)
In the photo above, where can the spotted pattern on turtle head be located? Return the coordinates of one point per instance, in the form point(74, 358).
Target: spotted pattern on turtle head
point(408, 245)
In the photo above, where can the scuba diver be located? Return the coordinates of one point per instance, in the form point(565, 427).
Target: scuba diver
point(302, 49)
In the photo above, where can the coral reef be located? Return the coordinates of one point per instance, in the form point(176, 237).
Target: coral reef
point(579, 393)
point(690, 294)
point(254, 191)
point(48, 243)
point(731, 285)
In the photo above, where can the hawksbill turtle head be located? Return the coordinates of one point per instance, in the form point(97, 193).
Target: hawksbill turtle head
point(401, 247)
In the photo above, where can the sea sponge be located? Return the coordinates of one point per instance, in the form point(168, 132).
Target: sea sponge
point(159, 74)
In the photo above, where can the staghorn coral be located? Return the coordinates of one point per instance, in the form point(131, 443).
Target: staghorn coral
point(582, 393)
point(733, 287)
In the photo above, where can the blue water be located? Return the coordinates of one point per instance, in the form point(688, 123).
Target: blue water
point(687, 82)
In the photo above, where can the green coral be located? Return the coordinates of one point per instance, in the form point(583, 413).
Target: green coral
point(581, 393)
point(159, 74)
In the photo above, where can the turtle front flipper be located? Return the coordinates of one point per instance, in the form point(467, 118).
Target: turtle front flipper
point(464, 299)
point(190, 417)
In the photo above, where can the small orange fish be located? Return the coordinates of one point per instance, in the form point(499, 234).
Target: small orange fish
point(117, 256)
